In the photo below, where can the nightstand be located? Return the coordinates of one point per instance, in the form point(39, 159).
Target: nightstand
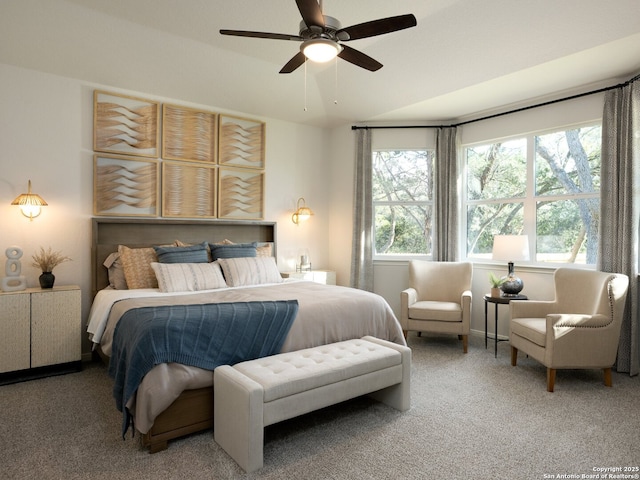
point(40, 332)
point(326, 277)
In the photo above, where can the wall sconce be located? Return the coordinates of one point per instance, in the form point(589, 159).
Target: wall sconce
point(302, 212)
point(510, 248)
point(29, 203)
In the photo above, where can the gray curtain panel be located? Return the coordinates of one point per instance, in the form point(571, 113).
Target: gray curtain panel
point(620, 208)
point(362, 244)
point(445, 228)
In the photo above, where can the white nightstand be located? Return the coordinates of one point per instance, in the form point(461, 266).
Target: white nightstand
point(320, 276)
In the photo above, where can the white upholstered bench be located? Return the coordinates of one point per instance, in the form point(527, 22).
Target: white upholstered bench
point(251, 395)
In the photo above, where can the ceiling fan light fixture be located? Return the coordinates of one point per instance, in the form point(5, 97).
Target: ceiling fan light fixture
point(320, 50)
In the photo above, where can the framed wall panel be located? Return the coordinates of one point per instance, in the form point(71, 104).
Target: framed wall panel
point(188, 190)
point(125, 125)
point(241, 142)
point(188, 134)
point(125, 186)
point(240, 193)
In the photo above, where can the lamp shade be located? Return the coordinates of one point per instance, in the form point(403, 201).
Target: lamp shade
point(302, 213)
point(29, 203)
point(320, 50)
point(510, 247)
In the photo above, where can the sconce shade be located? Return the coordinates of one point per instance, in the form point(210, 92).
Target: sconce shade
point(510, 247)
point(29, 203)
point(320, 50)
point(302, 212)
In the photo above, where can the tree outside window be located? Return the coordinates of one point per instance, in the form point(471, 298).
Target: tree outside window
point(403, 202)
point(546, 186)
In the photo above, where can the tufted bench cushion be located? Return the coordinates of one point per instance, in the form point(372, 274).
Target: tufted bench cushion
point(251, 395)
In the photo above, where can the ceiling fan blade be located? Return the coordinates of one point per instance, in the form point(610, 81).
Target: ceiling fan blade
point(294, 63)
point(377, 27)
point(274, 36)
point(358, 58)
point(311, 13)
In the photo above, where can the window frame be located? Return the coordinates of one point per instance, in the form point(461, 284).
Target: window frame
point(529, 201)
point(395, 257)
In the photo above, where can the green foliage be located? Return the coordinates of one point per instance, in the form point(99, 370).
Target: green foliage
point(495, 281)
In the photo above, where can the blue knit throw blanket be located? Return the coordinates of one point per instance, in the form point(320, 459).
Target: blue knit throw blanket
point(203, 335)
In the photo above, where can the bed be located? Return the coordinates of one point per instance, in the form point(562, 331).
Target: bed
point(174, 400)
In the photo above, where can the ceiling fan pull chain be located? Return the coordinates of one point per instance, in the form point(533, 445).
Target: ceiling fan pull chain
point(305, 85)
point(335, 96)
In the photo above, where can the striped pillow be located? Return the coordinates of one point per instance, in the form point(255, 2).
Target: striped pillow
point(183, 254)
point(250, 271)
point(188, 277)
point(233, 250)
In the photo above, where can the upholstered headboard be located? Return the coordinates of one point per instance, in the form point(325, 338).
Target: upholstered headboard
point(108, 233)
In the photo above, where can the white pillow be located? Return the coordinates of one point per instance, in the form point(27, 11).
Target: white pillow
point(250, 271)
point(188, 277)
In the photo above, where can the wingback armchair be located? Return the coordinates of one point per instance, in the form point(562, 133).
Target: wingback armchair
point(438, 299)
point(580, 329)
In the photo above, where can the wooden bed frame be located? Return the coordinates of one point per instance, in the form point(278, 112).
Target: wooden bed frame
point(193, 410)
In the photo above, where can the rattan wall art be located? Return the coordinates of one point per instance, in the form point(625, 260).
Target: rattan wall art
point(188, 134)
point(125, 186)
point(125, 125)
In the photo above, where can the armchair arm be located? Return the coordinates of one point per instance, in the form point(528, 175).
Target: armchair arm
point(531, 309)
point(407, 298)
point(465, 302)
point(576, 320)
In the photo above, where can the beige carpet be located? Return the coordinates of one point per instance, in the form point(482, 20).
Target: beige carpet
point(472, 416)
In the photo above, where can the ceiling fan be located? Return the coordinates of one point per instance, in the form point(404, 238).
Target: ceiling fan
point(322, 36)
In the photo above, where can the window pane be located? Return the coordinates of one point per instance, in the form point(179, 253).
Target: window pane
point(568, 162)
point(567, 231)
point(402, 176)
point(403, 229)
point(497, 171)
point(486, 220)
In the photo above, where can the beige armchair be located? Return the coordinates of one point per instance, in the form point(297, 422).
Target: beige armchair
point(438, 299)
point(580, 329)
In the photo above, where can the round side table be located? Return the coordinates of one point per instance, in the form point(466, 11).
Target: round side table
point(497, 301)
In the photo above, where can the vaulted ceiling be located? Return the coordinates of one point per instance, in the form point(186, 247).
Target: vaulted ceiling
point(464, 58)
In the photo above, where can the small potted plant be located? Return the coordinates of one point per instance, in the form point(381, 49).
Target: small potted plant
point(495, 283)
point(47, 261)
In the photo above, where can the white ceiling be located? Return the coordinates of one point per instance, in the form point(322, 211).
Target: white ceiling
point(465, 57)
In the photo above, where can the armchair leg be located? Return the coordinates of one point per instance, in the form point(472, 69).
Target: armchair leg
point(514, 356)
point(465, 343)
point(607, 377)
point(551, 379)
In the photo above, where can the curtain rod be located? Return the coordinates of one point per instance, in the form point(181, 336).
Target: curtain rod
point(544, 104)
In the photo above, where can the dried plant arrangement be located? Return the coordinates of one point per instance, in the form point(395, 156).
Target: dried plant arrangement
point(48, 260)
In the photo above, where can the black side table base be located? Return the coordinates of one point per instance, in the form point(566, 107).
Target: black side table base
point(497, 301)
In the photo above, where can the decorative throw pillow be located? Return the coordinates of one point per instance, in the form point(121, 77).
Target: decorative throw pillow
point(264, 250)
point(234, 250)
point(183, 254)
point(137, 266)
point(188, 277)
point(243, 271)
point(115, 271)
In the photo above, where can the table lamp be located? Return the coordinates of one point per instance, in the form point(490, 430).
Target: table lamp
point(510, 248)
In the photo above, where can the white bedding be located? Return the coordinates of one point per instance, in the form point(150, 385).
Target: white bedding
point(326, 314)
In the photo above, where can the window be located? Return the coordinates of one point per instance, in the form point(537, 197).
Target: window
point(546, 186)
point(402, 202)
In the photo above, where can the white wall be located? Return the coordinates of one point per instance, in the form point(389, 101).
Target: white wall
point(390, 278)
point(46, 133)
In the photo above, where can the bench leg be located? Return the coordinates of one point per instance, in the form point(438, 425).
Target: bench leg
point(238, 417)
